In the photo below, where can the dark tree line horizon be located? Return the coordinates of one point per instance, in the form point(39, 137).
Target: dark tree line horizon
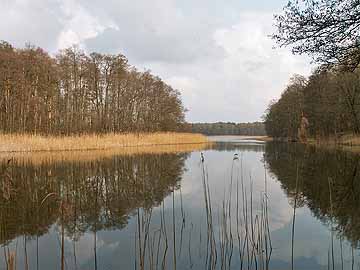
point(74, 93)
point(228, 128)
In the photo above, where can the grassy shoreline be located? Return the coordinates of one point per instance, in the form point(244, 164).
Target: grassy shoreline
point(46, 157)
point(348, 142)
point(25, 143)
point(344, 140)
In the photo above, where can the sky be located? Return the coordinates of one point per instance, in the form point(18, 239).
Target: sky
point(217, 53)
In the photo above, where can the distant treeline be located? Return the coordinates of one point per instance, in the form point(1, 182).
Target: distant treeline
point(329, 99)
point(221, 128)
point(75, 92)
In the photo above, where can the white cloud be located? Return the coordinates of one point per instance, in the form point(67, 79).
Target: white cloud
point(30, 21)
point(239, 86)
point(219, 57)
point(79, 25)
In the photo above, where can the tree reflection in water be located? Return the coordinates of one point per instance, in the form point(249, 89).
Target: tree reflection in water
point(82, 197)
point(318, 168)
point(83, 203)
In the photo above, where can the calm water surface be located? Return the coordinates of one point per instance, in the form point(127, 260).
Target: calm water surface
point(239, 205)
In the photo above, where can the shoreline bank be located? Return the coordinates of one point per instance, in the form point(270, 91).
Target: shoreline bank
point(26, 143)
point(46, 157)
point(259, 138)
point(349, 142)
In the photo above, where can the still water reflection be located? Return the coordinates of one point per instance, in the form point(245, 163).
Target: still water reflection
point(231, 207)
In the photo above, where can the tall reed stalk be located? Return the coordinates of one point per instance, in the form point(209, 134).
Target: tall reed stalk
point(294, 217)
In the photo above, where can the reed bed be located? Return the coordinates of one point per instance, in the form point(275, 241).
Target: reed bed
point(236, 234)
point(10, 259)
point(39, 149)
point(252, 231)
point(35, 143)
point(231, 234)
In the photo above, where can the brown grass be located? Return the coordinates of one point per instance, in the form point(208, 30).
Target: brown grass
point(35, 143)
point(348, 142)
point(39, 149)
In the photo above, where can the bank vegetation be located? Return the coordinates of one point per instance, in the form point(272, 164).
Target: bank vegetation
point(326, 105)
point(35, 143)
point(228, 128)
point(329, 100)
point(72, 92)
point(77, 101)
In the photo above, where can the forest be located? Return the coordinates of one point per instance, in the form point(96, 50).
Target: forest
point(74, 93)
point(327, 102)
point(329, 99)
point(229, 128)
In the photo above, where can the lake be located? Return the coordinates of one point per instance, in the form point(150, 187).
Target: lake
point(238, 204)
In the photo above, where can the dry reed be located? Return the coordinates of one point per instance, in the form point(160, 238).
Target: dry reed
point(252, 233)
point(36, 143)
point(10, 259)
point(40, 157)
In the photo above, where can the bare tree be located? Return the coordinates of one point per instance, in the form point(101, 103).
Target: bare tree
point(328, 30)
point(78, 93)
